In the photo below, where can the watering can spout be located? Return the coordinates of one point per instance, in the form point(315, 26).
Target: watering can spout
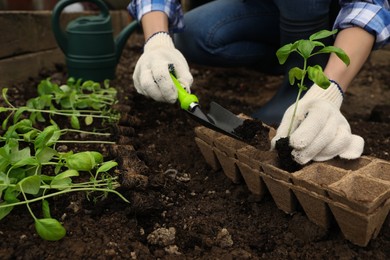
point(122, 38)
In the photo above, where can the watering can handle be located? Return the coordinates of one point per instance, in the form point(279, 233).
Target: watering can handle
point(55, 21)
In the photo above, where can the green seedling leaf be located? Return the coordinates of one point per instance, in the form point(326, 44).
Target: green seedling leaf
point(67, 102)
point(45, 87)
point(83, 161)
point(4, 94)
point(5, 158)
point(4, 183)
point(58, 167)
point(11, 195)
point(25, 162)
point(46, 154)
point(91, 86)
point(106, 83)
point(19, 113)
point(5, 209)
point(17, 174)
point(74, 122)
point(65, 88)
point(47, 137)
point(5, 162)
point(40, 117)
point(30, 136)
point(88, 120)
point(98, 157)
point(322, 34)
point(29, 185)
point(295, 73)
point(97, 106)
point(106, 166)
point(49, 229)
point(305, 48)
point(71, 81)
point(64, 178)
point(46, 209)
point(339, 52)
point(23, 126)
point(81, 104)
point(20, 155)
point(46, 101)
point(317, 76)
point(46, 178)
point(283, 53)
point(5, 122)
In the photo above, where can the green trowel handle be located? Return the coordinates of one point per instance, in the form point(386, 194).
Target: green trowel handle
point(185, 99)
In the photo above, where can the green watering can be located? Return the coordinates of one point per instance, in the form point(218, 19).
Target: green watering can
point(88, 43)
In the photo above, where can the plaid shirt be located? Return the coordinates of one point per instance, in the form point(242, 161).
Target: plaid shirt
point(172, 8)
point(373, 16)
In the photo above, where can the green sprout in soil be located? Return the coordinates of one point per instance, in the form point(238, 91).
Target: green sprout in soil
point(307, 49)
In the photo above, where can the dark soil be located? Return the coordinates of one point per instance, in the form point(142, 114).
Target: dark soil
point(286, 161)
point(253, 132)
point(179, 207)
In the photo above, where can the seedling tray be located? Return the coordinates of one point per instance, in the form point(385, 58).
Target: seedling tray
point(354, 194)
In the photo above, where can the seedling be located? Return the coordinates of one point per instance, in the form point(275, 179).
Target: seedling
point(32, 170)
point(307, 49)
point(88, 101)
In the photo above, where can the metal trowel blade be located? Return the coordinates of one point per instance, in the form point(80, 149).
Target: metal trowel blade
point(208, 120)
point(224, 119)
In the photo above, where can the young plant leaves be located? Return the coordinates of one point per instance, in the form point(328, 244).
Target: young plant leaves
point(5, 209)
point(106, 166)
point(295, 73)
point(339, 52)
point(74, 122)
point(316, 74)
point(29, 185)
point(46, 209)
point(84, 161)
point(322, 34)
point(64, 178)
point(307, 49)
point(49, 229)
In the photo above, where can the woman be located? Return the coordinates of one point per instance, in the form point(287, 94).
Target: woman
point(242, 33)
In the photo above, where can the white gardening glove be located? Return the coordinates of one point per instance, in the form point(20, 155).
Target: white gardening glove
point(319, 132)
point(151, 75)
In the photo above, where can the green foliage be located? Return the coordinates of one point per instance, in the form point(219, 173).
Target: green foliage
point(28, 154)
point(307, 49)
point(78, 101)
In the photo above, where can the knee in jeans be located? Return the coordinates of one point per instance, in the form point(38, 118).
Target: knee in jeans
point(304, 10)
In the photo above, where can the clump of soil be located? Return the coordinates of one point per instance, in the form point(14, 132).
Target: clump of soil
point(254, 133)
point(286, 161)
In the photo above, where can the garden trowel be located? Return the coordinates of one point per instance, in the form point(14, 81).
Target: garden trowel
point(218, 118)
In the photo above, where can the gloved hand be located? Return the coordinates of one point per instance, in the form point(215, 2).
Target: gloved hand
point(151, 75)
point(319, 132)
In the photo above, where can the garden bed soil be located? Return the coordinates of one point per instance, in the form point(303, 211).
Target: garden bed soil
point(180, 208)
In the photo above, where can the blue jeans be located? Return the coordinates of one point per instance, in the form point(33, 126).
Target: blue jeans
point(248, 33)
